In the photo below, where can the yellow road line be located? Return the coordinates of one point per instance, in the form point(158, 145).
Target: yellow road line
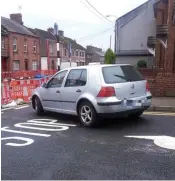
point(159, 113)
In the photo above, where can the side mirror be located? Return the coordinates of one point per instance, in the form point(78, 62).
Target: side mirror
point(44, 85)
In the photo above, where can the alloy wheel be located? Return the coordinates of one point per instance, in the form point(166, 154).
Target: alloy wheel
point(86, 114)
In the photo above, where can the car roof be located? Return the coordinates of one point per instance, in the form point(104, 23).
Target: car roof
point(95, 66)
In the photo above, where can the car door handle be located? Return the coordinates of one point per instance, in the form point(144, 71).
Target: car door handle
point(78, 90)
point(58, 91)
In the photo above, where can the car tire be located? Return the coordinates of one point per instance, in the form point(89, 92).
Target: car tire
point(38, 106)
point(87, 114)
point(136, 115)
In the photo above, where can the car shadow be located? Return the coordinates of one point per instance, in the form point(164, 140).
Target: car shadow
point(112, 123)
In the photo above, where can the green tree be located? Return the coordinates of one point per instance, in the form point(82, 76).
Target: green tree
point(142, 64)
point(109, 57)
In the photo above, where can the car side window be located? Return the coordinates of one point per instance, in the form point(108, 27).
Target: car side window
point(57, 80)
point(76, 77)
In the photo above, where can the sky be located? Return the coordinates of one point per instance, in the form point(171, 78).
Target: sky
point(76, 18)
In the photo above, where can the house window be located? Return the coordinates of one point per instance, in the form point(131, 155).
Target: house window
point(51, 47)
point(65, 52)
point(14, 44)
point(34, 65)
point(2, 43)
point(77, 53)
point(16, 65)
point(34, 47)
point(25, 45)
point(82, 54)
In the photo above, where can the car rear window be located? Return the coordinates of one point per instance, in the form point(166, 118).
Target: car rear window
point(121, 74)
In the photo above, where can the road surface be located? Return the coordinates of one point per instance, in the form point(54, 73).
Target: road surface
point(57, 147)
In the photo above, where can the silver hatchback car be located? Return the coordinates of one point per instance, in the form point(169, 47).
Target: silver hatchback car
point(93, 91)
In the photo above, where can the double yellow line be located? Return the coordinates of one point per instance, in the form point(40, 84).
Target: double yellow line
point(159, 113)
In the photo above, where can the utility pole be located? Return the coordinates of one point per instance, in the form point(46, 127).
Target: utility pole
point(110, 40)
point(56, 32)
point(70, 53)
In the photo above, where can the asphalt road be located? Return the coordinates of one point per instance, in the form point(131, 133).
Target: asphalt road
point(48, 149)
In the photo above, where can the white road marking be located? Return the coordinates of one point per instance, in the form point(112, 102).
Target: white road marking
point(167, 142)
point(22, 125)
point(21, 107)
point(7, 108)
point(22, 132)
point(28, 141)
point(49, 121)
point(34, 122)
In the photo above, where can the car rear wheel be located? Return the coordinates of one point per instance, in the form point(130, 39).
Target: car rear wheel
point(136, 115)
point(38, 106)
point(87, 114)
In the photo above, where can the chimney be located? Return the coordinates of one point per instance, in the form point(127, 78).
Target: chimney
point(17, 17)
point(61, 33)
point(51, 30)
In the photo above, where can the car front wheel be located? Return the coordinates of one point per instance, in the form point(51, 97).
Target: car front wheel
point(87, 114)
point(38, 106)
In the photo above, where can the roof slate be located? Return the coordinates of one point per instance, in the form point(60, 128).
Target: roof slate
point(15, 27)
point(131, 15)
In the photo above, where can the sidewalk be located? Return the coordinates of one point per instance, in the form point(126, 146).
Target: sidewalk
point(163, 104)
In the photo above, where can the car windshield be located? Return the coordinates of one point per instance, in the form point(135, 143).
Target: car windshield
point(121, 74)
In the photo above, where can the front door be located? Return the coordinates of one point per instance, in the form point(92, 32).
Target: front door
point(4, 65)
point(75, 85)
point(51, 95)
point(26, 65)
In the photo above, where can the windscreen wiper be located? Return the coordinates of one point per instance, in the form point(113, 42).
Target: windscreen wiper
point(122, 77)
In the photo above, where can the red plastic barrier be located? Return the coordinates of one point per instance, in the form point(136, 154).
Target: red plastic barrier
point(31, 73)
point(19, 89)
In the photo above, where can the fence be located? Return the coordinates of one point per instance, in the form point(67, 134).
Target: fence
point(15, 89)
point(31, 74)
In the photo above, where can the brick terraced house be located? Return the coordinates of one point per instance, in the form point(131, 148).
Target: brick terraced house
point(20, 47)
point(77, 57)
point(163, 44)
point(48, 48)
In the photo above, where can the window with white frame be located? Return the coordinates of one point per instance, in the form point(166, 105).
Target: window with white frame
point(14, 44)
point(2, 43)
point(51, 47)
point(82, 54)
point(34, 65)
point(25, 45)
point(16, 65)
point(65, 52)
point(34, 47)
point(77, 53)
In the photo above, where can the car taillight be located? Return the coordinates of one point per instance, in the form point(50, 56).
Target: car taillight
point(147, 87)
point(106, 92)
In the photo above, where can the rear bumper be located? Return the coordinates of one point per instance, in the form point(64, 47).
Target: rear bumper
point(124, 106)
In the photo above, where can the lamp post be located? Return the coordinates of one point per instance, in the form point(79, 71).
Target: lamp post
point(114, 30)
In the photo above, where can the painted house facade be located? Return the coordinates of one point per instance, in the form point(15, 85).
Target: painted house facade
point(131, 33)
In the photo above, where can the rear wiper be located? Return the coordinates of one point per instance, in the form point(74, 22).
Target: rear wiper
point(122, 77)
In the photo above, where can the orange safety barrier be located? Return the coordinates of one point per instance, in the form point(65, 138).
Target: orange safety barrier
point(31, 73)
point(5, 93)
point(19, 89)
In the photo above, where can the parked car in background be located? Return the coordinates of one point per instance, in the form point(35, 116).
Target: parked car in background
point(93, 91)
